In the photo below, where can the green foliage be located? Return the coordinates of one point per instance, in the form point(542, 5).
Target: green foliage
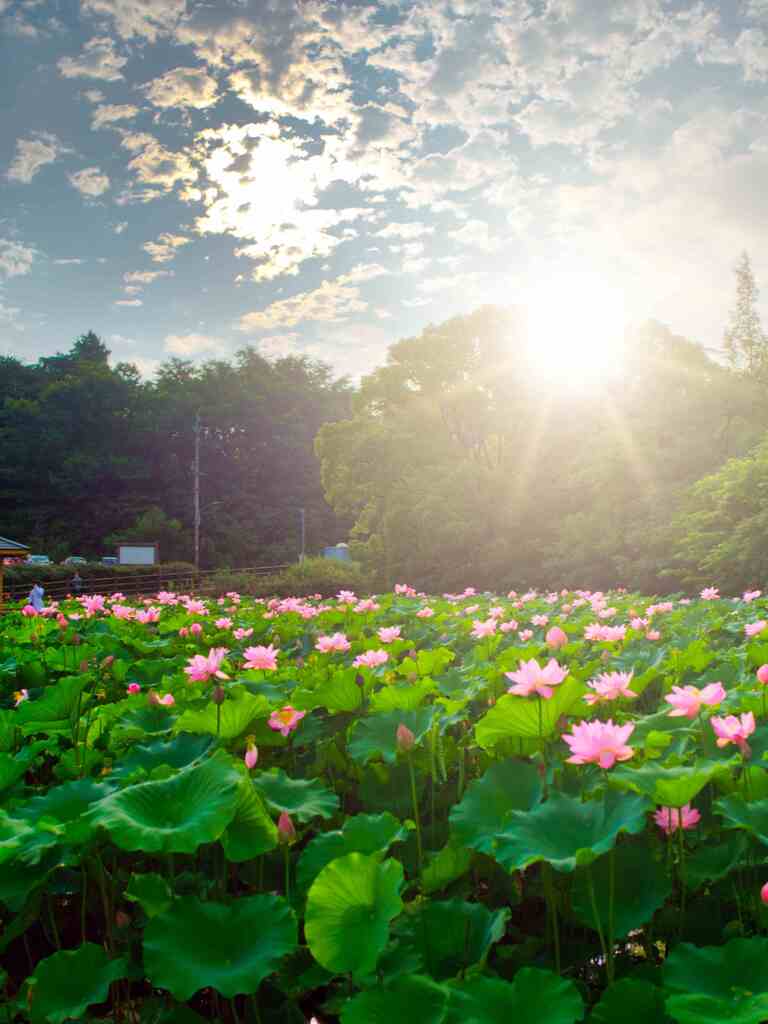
point(66, 984)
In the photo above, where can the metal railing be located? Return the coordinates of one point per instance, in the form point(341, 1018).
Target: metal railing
point(191, 581)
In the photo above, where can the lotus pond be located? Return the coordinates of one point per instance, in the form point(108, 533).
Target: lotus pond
point(541, 808)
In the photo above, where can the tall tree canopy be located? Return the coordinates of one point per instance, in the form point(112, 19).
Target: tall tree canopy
point(88, 450)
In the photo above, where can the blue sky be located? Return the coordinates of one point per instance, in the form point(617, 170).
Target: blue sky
point(327, 177)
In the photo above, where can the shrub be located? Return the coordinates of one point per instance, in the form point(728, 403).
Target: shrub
point(316, 576)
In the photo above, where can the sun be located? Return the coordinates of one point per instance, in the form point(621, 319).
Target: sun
point(576, 324)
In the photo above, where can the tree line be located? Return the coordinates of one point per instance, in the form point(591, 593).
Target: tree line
point(456, 462)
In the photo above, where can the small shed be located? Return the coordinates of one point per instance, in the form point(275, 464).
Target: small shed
point(10, 549)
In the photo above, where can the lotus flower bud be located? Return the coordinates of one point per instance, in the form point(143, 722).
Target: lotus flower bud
point(556, 638)
point(195, 629)
point(405, 738)
point(286, 833)
point(106, 663)
point(251, 754)
point(133, 688)
point(153, 698)
point(762, 674)
point(219, 695)
point(764, 893)
point(84, 665)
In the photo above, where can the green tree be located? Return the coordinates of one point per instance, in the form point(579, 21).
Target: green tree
point(745, 343)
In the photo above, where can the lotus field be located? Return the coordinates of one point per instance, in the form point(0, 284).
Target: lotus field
point(543, 808)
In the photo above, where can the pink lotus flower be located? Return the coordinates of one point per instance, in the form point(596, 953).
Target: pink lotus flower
point(483, 629)
point(150, 615)
point(223, 623)
point(753, 628)
point(687, 700)
point(764, 893)
point(286, 831)
point(525, 635)
point(29, 611)
point(133, 688)
point(261, 657)
point(242, 634)
point(334, 642)
point(285, 720)
point(734, 729)
point(425, 613)
point(251, 754)
point(368, 605)
point(405, 738)
point(638, 623)
point(609, 686)
point(167, 700)
point(123, 611)
point(196, 607)
point(534, 678)
point(601, 743)
point(388, 634)
point(201, 667)
point(403, 588)
point(346, 597)
point(605, 634)
point(710, 594)
point(750, 595)
point(509, 627)
point(19, 697)
point(556, 638)
point(653, 634)
point(196, 629)
point(669, 819)
point(371, 659)
point(762, 674)
point(184, 632)
point(539, 620)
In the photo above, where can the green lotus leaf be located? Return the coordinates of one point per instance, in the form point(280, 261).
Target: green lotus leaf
point(13, 767)
point(753, 817)
point(630, 1000)
point(172, 815)
point(179, 752)
point(710, 984)
point(231, 947)
point(13, 832)
point(376, 735)
point(566, 832)
point(641, 885)
point(251, 832)
point(68, 803)
point(518, 717)
point(66, 984)
point(445, 867)
point(55, 710)
point(712, 862)
point(150, 891)
point(451, 936)
point(301, 798)
point(533, 997)
point(506, 786)
point(402, 696)
point(340, 693)
point(238, 713)
point(141, 723)
point(669, 787)
point(388, 788)
point(407, 998)
point(363, 833)
point(349, 907)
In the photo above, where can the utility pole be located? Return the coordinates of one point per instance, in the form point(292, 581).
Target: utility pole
point(196, 485)
point(303, 535)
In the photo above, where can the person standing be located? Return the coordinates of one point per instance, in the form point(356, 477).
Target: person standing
point(77, 584)
point(36, 597)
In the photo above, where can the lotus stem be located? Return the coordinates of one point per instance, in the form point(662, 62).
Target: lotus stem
point(596, 915)
point(611, 894)
point(549, 892)
point(415, 811)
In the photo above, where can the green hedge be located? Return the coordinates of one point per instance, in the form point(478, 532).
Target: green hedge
point(23, 574)
point(316, 576)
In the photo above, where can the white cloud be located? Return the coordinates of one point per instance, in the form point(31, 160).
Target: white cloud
point(164, 249)
point(156, 165)
point(90, 181)
point(98, 59)
point(189, 345)
point(277, 346)
point(73, 261)
point(93, 95)
point(15, 259)
point(109, 113)
point(147, 19)
point(32, 154)
point(128, 302)
point(120, 227)
point(9, 314)
point(333, 301)
point(183, 87)
point(142, 277)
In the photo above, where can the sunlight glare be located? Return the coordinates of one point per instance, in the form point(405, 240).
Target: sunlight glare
point(575, 327)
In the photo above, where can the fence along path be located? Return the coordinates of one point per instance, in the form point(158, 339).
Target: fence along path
point(138, 585)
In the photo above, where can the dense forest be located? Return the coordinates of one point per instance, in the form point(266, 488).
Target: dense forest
point(456, 462)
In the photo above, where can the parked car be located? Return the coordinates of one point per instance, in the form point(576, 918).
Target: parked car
point(109, 560)
point(75, 560)
point(38, 560)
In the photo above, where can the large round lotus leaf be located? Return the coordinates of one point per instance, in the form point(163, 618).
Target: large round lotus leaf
point(630, 1001)
point(54, 710)
point(14, 766)
point(753, 817)
point(714, 861)
point(388, 788)
point(238, 712)
point(13, 832)
point(518, 717)
point(140, 723)
point(364, 833)
point(669, 787)
point(337, 694)
point(506, 786)
point(376, 735)
point(179, 752)
point(533, 997)
point(67, 804)
point(566, 832)
point(407, 998)
point(303, 799)
point(173, 815)
point(251, 831)
point(711, 984)
point(641, 885)
point(349, 907)
point(231, 947)
point(445, 866)
point(451, 936)
point(150, 891)
point(66, 984)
